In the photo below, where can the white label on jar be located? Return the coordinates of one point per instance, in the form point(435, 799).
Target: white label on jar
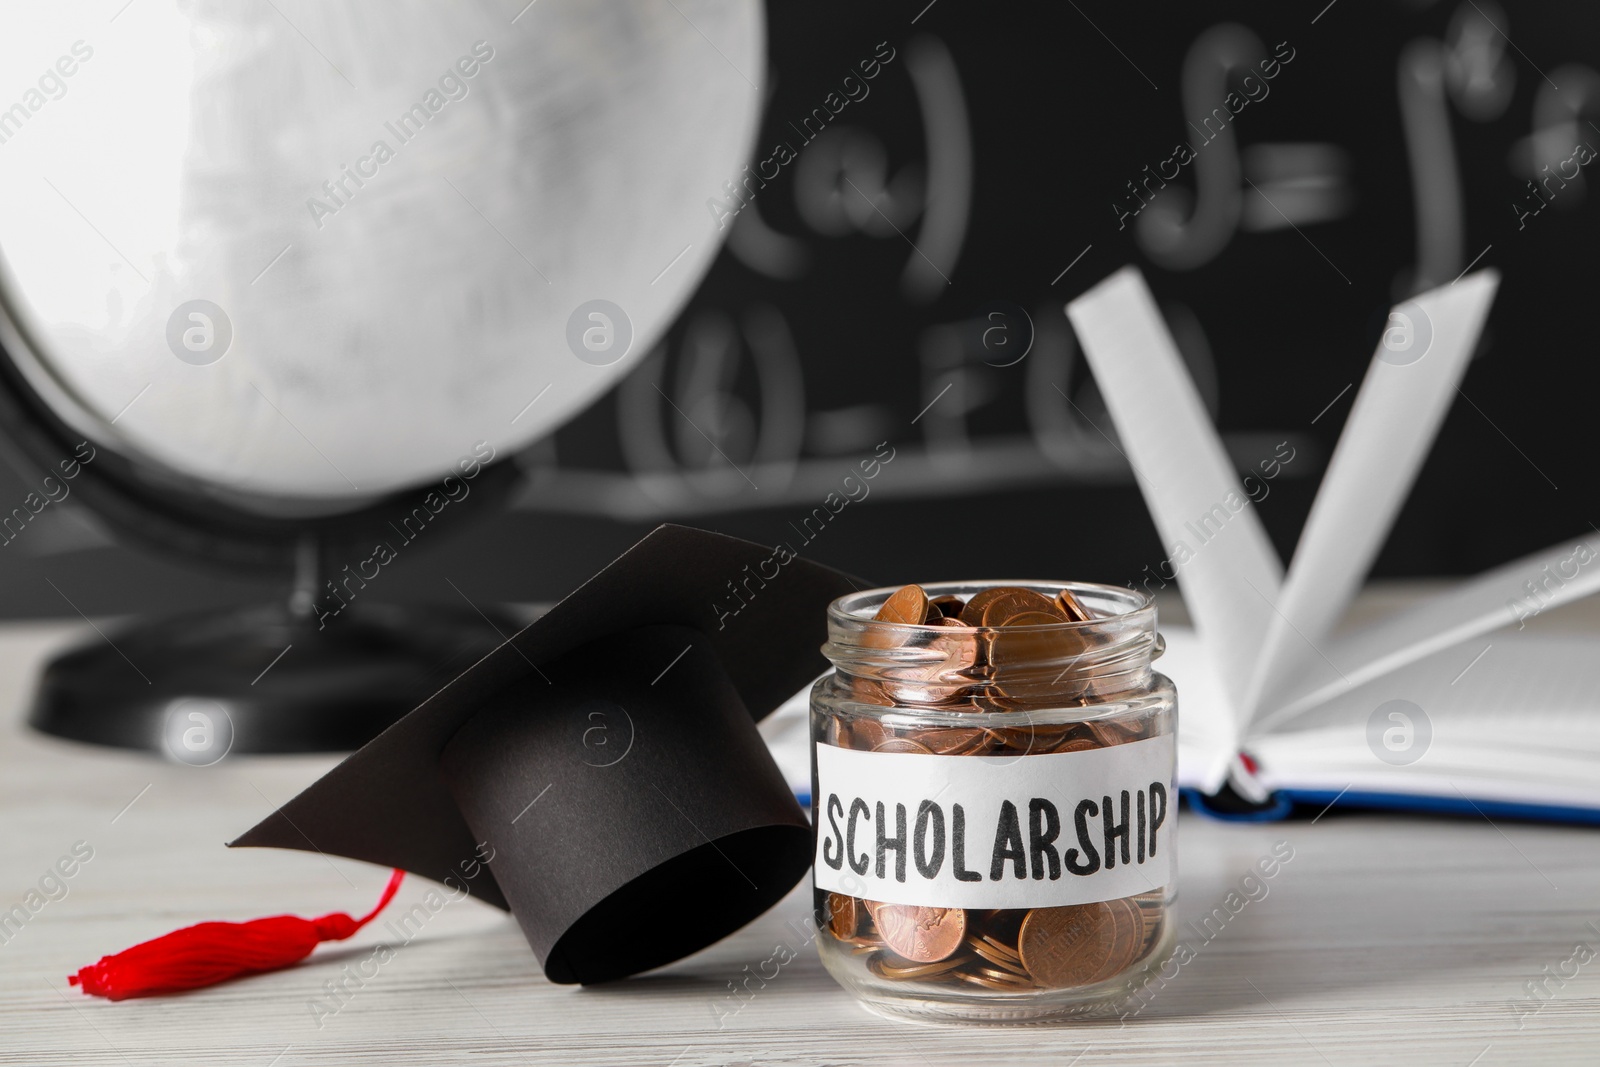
point(996, 831)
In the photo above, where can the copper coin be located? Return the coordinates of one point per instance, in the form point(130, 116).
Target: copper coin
point(1036, 655)
point(972, 611)
point(950, 742)
point(1007, 951)
point(844, 915)
point(959, 651)
point(1112, 733)
point(978, 603)
point(922, 934)
point(995, 957)
point(994, 607)
point(996, 974)
point(957, 645)
point(987, 702)
point(1108, 734)
point(1080, 944)
point(1033, 618)
point(1130, 940)
point(1072, 607)
point(1007, 986)
point(1036, 651)
point(1047, 735)
point(1056, 653)
point(866, 691)
point(1085, 731)
point(903, 744)
point(1004, 741)
point(947, 654)
point(886, 968)
point(947, 606)
point(838, 734)
point(908, 604)
point(868, 734)
point(971, 746)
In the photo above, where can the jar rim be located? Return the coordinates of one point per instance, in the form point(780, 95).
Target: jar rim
point(1138, 609)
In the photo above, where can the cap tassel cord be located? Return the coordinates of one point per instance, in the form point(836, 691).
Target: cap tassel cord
point(212, 952)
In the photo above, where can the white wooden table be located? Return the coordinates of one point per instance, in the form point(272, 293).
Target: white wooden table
point(1385, 939)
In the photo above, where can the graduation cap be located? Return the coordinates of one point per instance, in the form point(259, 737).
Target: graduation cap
point(600, 773)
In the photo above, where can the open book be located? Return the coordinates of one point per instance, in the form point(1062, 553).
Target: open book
point(1422, 709)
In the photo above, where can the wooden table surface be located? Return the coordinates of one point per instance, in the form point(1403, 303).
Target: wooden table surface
point(1384, 939)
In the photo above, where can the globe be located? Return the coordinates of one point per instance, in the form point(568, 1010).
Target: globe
point(285, 267)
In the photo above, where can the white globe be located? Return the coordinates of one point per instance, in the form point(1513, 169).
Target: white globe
point(307, 253)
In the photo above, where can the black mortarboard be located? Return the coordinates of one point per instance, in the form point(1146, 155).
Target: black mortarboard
point(605, 759)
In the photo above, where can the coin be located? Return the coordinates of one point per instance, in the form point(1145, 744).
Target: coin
point(907, 605)
point(1043, 648)
point(948, 606)
point(1008, 963)
point(922, 934)
point(866, 691)
point(1071, 607)
point(972, 611)
point(844, 915)
point(1008, 602)
point(1006, 986)
point(1032, 618)
point(1048, 735)
point(1080, 944)
point(957, 646)
point(903, 744)
point(887, 968)
point(1003, 741)
point(1114, 733)
point(953, 741)
point(995, 974)
point(869, 733)
point(945, 657)
point(999, 946)
point(838, 734)
point(1033, 650)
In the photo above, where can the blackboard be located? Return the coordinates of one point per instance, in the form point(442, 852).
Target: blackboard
point(886, 283)
point(933, 181)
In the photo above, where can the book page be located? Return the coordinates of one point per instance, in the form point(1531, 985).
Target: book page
point(1226, 567)
point(1205, 746)
point(1507, 596)
point(1519, 725)
point(1408, 388)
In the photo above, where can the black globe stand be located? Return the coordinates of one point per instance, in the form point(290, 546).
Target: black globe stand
point(261, 680)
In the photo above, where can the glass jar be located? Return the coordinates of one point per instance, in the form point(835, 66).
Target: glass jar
point(995, 808)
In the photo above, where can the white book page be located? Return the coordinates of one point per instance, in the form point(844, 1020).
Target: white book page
point(1226, 566)
point(1206, 747)
point(1521, 724)
point(1508, 595)
point(1407, 389)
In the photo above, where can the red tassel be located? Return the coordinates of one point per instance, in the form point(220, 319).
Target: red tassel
point(208, 953)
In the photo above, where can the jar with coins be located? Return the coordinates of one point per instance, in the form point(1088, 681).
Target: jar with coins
point(994, 799)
